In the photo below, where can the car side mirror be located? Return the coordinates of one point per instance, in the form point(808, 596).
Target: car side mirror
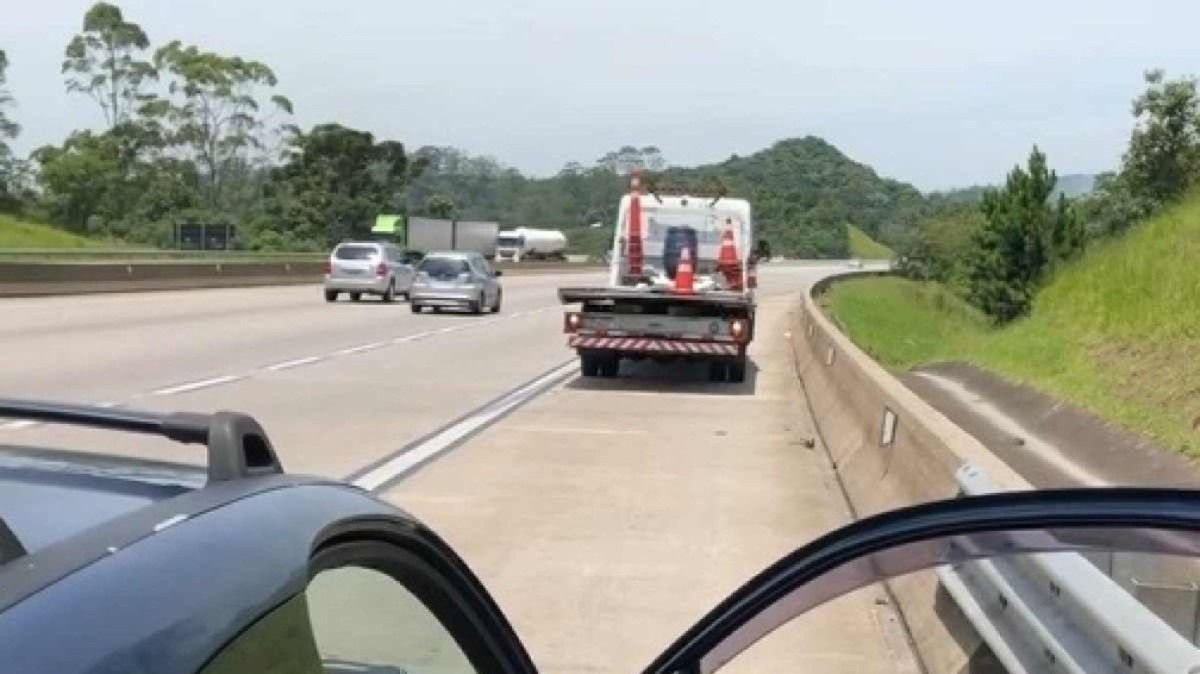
point(497, 273)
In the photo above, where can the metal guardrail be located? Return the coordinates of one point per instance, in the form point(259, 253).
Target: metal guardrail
point(1058, 612)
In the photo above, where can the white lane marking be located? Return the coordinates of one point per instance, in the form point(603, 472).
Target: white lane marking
point(451, 436)
point(1044, 450)
point(351, 350)
point(170, 522)
point(194, 385)
point(288, 364)
point(295, 362)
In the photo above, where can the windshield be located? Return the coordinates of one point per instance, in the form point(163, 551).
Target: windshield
point(356, 252)
point(510, 241)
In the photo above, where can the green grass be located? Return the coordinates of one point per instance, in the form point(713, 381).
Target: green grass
point(17, 233)
point(902, 323)
point(863, 246)
point(1116, 332)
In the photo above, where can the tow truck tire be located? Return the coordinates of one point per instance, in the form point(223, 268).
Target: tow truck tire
point(476, 306)
point(416, 308)
point(589, 365)
point(717, 370)
point(499, 299)
point(737, 370)
point(331, 295)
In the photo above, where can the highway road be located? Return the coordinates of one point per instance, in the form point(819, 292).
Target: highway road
point(605, 515)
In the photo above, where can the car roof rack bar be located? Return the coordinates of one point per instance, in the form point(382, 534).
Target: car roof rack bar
point(237, 445)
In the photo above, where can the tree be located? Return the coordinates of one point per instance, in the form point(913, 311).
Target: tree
point(103, 62)
point(8, 130)
point(1164, 149)
point(627, 158)
point(439, 206)
point(1022, 237)
point(214, 111)
point(333, 184)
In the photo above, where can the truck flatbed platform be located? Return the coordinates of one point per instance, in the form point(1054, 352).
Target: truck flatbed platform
point(602, 295)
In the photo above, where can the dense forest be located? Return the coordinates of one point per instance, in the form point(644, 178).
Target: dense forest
point(189, 135)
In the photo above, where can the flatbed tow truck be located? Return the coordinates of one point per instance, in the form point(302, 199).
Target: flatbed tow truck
point(681, 287)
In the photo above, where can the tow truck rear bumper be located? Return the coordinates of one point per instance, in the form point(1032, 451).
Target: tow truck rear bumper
point(655, 346)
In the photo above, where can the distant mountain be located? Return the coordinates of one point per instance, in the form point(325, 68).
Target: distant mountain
point(805, 192)
point(1072, 185)
point(1076, 184)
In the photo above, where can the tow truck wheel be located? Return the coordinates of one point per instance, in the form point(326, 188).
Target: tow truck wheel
point(589, 365)
point(717, 370)
point(331, 295)
point(737, 370)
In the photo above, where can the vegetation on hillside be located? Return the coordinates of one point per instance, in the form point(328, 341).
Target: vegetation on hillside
point(18, 233)
point(863, 246)
point(1114, 331)
point(803, 190)
point(997, 252)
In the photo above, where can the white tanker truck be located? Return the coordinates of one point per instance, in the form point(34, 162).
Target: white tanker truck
point(526, 243)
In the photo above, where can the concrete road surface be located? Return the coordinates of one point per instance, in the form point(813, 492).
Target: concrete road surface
point(606, 515)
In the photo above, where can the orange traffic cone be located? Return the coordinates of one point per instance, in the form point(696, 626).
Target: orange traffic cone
point(727, 258)
point(685, 276)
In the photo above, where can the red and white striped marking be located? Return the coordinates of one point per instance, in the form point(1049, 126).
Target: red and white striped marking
point(649, 345)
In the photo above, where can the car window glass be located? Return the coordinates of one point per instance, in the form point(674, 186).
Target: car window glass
point(349, 620)
point(443, 266)
point(366, 621)
point(889, 610)
point(355, 252)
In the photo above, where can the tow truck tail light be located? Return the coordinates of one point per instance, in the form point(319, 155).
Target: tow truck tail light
point(739, 329)
point(571, 322)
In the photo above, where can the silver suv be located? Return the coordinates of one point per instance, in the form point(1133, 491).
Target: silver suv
point(459, 280)
point(369, 267)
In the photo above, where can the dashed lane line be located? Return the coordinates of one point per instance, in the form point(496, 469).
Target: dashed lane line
point(196, 385)
point(303, 361)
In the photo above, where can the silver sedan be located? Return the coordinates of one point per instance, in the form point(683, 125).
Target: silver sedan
point(457, 280)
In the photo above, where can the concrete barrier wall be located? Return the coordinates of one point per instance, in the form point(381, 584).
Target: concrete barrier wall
point(24, 279)
point(850, 393)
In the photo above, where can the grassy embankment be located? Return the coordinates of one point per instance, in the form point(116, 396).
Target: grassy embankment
point(18, 233)
point(864, 247)
point(1116, 331)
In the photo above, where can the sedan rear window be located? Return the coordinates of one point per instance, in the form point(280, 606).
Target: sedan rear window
point(355, 252)
point(443, 266)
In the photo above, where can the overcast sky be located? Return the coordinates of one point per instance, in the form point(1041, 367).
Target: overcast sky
point(939, 93)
